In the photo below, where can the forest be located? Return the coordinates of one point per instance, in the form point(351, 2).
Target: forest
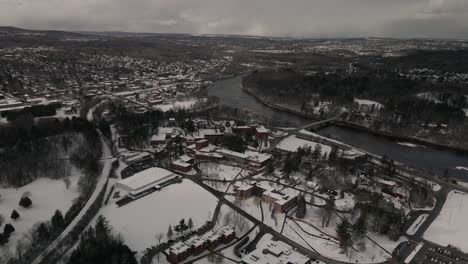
point(47, 149)
point(384, 86)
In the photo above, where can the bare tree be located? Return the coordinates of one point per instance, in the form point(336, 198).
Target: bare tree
point(67, 182)
point(159, 236)
point(21, 247)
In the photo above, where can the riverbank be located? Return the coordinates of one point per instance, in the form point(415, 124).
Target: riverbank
point(398, 137)
point(275, 106)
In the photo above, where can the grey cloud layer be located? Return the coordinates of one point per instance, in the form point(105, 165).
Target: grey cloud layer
point(314, 18)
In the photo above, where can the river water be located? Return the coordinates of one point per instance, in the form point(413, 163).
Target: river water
point(230, 93)
point(423, 157)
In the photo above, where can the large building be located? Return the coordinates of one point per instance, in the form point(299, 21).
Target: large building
point(269, 251)
point(195, 245)
point(143, 181)
point(281, 201)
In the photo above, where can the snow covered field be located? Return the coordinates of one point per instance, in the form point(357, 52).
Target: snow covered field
point(47, 195)
point(221, 171)
point(292, 143)
point(310, 233)
point(461, 168)
point(450, 226)
point(410, 145)
point(140, 220)
point(186, 104)
point(415, 226)
point(368, 103)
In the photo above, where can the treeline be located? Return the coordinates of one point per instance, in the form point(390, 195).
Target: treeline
point(439, 60)
point(98, 245)
point(33, 111)
point(48, 149)
point(380, 215)
point(139, 127)
point(385, 86)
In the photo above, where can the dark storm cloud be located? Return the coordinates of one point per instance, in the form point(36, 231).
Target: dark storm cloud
point(311, 18)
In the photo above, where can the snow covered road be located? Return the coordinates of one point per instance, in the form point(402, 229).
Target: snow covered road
point(101, 183)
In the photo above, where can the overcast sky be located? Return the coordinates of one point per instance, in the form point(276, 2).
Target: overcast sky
point(297, 18)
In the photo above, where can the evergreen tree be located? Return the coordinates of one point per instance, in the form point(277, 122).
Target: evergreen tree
point(190, 223)
point(301, 207)
point(333, 156)
point(3, 239)
point(360, 227)
point(102, 228)
point(25, 202)
point(317, 151)
point(343, 230)
point(58, 222)
point(170, 233)
point(43, 232)
point(15, 215)
point(8, 229)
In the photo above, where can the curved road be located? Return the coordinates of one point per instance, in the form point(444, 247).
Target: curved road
point(101, 183)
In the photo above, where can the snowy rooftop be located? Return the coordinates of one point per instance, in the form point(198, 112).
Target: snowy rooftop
point(178, 248)
point(137, 157)
point(242, 186)
point(257, 156)
point(181, 163)
point(292, 143)
point(261, 129)
point(145, 177)
point(211, 236)
point(233, 153)
point(280, 197)
point(158, 137)
point(269, 252)
point(195, 241)
point(185, 158)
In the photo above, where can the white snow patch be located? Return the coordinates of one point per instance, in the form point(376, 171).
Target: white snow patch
point(414, 253)
point(410, 145)
point(47, 196)
point(140, 220)
point(416, 224)
point(461, 168)
point(187, 104)
point(368, 103)
point(450, 226)
point(292, 143)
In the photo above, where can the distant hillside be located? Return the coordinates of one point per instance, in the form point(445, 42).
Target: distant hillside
point(439, 60)
point(6, 30)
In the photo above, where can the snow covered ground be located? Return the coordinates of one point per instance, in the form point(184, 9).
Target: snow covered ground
point(410, 145)
point(416, 224)
point(139, 221)
point(308, 236)
point(186, 104)
point(466, 111)
point(461, 168)
point(450, 226)
point(221, 171)
point(292, 143)
point(368, 103)
point(47, 195)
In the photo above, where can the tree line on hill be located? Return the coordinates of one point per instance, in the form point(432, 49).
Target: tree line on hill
point(48, 149)
point(385, 86)
point(32, 111)
point(99, 245)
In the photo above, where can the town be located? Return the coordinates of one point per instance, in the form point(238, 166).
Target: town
point(212, 149)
